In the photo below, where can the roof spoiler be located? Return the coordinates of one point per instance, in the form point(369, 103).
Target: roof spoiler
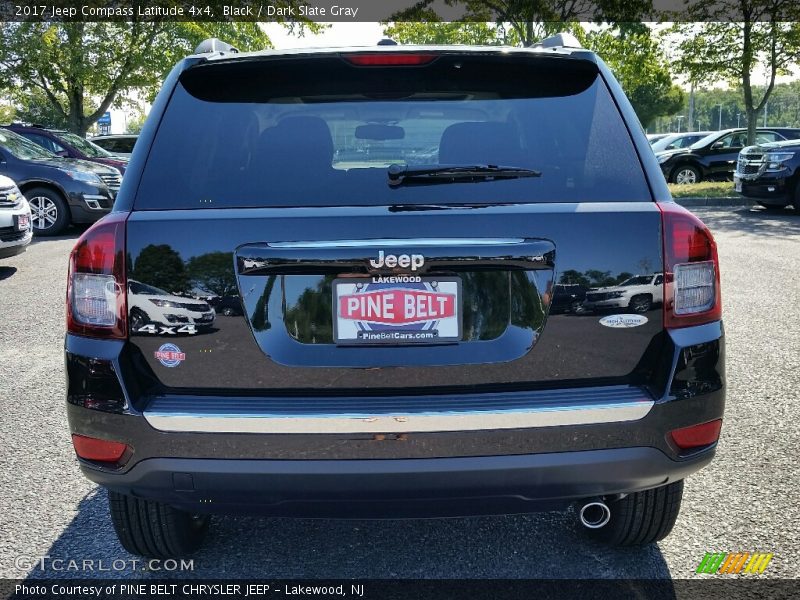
point(214, 45)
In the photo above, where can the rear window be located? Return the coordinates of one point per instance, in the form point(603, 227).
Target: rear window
point(322, 132)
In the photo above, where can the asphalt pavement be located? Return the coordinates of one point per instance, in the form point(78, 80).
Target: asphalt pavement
point(745, 501)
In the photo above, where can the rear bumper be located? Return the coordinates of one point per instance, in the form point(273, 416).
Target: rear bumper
point(500, 452)
point(398, 488)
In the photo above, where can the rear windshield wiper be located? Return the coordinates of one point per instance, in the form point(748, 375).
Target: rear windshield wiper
point(400, 174)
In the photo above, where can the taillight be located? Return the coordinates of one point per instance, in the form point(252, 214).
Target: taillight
point(98, 450)
point(697, 436)
point(691, 269)
point(96, 305)
point(387, 59)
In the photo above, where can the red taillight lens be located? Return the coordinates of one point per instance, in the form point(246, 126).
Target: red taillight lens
point(90, 448)
point(96, 305)
point(389, 59)
point(691, 269)
point(697, 435)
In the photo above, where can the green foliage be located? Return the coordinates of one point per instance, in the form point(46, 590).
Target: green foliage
point(162, 267)
point(72, 73)
point(7, 114)
point(136, 123)
point(213, 272)
point(529, 21)
point(766, 40)
point(641, 68)
point(433, 31)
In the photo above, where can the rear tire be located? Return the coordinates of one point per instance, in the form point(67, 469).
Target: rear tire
point(642, 518)
point(155, 530)
point(796, 197)
point(49, 212)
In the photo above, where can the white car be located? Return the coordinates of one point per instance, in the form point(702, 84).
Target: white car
point(15, 219)
point(151, 309)
point(637, 294)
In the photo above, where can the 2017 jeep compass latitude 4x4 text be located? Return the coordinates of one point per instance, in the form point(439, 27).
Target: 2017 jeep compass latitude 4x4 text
point(394, 220)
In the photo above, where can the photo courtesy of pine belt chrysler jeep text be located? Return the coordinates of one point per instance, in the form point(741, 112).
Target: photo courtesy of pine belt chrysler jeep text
point(393, 223)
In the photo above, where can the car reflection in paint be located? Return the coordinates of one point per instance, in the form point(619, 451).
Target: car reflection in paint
point(150, 306)
point(637, 294)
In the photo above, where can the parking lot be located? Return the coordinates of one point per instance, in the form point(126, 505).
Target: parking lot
point(745, 501)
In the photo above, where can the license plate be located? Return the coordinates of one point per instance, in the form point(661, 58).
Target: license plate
point(737, 184)
point(397, 310)
point(23, 222)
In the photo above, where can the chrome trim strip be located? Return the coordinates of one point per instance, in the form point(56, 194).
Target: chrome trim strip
point(417, 422)
point(395, 243)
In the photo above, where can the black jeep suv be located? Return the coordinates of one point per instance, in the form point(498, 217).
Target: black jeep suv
point(714, 156)
point(397, 354)
point(770, 173)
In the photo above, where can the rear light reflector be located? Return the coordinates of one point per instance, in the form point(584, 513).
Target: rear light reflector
point(94, 299)
point(697, 435)
point(691, 269)
point(694, 287)
point(388, 59)
point(96, 296)
point(94, 449)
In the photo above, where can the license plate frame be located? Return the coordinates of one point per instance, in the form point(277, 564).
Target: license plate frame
point(22, 222)
point(441, 295)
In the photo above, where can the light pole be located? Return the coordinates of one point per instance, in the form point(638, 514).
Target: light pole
point(680, 117)
point(719, 123)
point(738, 119)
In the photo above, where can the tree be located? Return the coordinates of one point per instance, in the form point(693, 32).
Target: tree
point(136, 123)
point(7, 113)
point(213, 271)
point(641, 68)
point(765, 35)
point(434, 31)
point(79, 69)
point(533, 20)
point(161, 266)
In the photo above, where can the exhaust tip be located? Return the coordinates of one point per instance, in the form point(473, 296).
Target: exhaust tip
point(595, 514)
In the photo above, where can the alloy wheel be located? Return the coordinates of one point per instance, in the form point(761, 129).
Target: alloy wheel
point(686, 176)
point(44, 212)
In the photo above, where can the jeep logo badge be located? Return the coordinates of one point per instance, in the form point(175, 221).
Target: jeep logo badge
point(391, 261)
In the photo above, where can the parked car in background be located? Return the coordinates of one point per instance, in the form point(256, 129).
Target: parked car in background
point(228, 306)
point(150, 306)
point(638, 294)
point(770, 174)
point(69, 145)
point(568, 298)
point(654, 137)
point(15, 219)
point(677, 141)
point(714, 156)
point(59, 190)
point(118, 145)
